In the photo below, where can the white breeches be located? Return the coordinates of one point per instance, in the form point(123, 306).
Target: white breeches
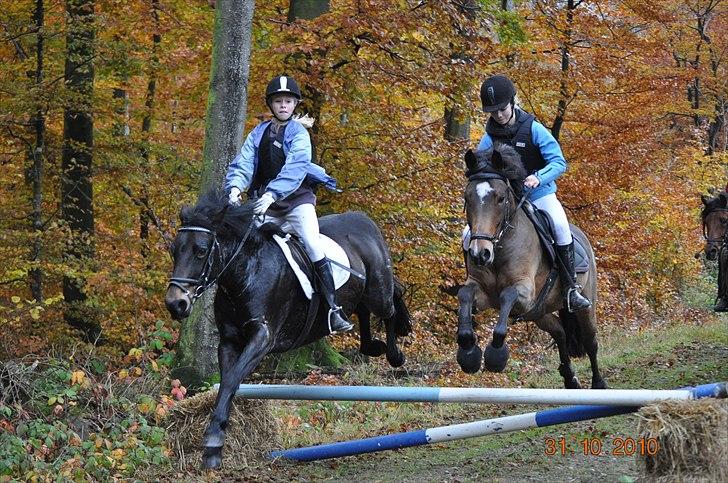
point(551, 205)
point(302, 220)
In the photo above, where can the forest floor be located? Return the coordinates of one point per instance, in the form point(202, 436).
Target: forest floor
point(669, 357)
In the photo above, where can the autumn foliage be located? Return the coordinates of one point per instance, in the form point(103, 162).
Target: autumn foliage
point(636, 92)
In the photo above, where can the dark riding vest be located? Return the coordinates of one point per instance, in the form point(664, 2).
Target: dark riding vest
point(271, 160)
point(519, 137)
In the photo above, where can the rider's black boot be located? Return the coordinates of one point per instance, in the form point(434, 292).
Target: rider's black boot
point(574, 300)
point(337, 318)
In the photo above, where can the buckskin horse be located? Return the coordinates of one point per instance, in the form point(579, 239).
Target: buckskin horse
point(715, 231)
point(509, 269)
point(260, 306)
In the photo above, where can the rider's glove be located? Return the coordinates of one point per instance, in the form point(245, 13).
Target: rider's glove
point(263, 203)
point(234, 198)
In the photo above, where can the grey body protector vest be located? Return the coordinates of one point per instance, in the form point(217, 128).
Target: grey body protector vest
point(519, 137)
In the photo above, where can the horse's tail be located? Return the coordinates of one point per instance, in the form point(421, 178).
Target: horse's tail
point(402, 322)
point(572, 328)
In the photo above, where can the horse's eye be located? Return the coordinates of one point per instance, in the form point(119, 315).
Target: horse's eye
point(500, 199)
point(199, 251)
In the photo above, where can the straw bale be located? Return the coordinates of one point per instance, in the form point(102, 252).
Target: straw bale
point(252, 431)
point(692, 437)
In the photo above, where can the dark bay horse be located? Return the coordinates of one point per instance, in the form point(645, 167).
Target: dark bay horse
point(260, 306)
point(507, 268)
point(715, 231)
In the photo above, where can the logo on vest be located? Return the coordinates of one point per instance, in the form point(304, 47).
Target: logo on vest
point(520, 144)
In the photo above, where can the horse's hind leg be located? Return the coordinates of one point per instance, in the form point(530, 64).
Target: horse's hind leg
point(395, 357)
point(235, 365)
point(367, 345)
point(552, 325)
point(587, 321)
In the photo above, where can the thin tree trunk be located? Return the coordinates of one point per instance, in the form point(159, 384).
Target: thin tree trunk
point(144, 220)
point(457, 119)
point(76, 183)
point(38, 123)
point(226, 111)
point(565, 61)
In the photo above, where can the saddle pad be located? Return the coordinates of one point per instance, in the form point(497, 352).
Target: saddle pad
point(581, 262)
point(333, 252)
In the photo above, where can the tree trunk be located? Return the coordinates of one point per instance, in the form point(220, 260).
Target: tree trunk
point(226, 111)
point(144, 220)
point(457, 119)
point(76, 184)
point(307, 9)
point(565, 61)
point(38, 123)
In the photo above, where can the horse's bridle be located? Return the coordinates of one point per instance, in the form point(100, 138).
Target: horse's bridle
point(505, 222)
point(724, 238)
point(203, 282)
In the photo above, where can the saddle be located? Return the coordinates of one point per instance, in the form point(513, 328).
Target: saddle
point(545, 228)
point(297, 257)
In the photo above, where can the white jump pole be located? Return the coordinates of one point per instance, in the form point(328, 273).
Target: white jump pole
point(603, 397)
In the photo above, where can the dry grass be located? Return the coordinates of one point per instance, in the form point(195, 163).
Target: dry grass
point(250, 435)
point(693, 439)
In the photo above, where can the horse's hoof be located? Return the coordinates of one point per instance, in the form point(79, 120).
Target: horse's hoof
point(469, 359)
point(397, 360)
point(573, 383)
point(496, 358)
point(211, 457)
point(373, 348)
point(600, 384)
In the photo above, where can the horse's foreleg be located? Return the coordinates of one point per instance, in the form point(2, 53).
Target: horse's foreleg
point(552, 325)
point(496, 354)
point(469, 354)
point(233, 371)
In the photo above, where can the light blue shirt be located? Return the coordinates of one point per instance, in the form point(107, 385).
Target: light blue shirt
point(550, 150)
point(298, 164)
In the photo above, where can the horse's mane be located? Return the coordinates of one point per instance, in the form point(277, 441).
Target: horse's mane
point(213, 212)
point(501, 159)
point(715, 203)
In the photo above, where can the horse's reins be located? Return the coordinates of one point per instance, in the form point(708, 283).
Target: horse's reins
point(202, 282)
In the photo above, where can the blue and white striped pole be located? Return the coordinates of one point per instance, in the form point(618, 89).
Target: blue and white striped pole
point(603, 397)
point(441, 434)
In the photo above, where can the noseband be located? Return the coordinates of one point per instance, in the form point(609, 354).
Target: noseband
point(203, 282)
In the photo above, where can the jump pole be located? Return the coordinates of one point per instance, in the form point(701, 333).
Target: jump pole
point(602, 397)
point(548, 417)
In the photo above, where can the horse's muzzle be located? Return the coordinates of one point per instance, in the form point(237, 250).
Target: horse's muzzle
point(178, 303)
point(711, 251)
point(482, 257)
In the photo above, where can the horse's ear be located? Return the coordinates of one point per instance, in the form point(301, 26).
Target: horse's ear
point(705, 199)
point(471, 161)
point(723, 197)
point(497, 160)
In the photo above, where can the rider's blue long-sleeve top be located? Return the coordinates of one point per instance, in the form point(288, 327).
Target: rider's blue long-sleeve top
point(550, 150)
point(298, 165)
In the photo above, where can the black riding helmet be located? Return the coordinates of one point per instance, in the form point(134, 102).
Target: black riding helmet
point(282, 85)
point(496, 92)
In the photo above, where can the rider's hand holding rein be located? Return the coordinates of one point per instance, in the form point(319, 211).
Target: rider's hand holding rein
point(531, 181)
point(234, 197)
point(263, 203)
